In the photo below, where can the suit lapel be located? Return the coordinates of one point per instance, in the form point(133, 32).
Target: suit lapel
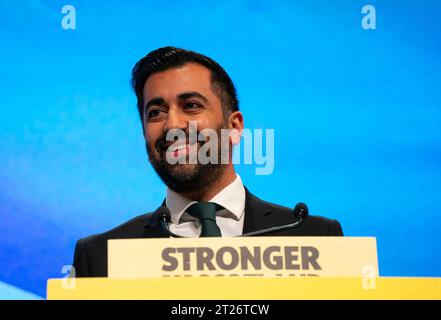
point(153, 227)
point(257, 213)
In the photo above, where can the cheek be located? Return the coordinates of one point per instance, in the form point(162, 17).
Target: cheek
point(152, 133)
point(209, 121)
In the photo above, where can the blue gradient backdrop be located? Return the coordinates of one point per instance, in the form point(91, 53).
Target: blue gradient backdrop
point(356, 116)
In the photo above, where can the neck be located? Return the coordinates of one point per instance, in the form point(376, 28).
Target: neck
point(208, 193)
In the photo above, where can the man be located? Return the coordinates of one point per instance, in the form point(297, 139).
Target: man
point(176, 88)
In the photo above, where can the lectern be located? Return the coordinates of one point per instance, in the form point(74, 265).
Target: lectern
point(254, 268)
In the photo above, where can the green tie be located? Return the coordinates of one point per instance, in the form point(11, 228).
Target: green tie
point(206, 213)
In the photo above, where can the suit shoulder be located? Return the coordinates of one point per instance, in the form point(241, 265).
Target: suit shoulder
point(289, 213)
point(315, 224)
point(129, 229)
point(266, 206)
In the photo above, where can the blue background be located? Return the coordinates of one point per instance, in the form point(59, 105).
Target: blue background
point(356, 115)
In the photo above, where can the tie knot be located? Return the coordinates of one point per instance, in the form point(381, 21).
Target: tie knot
point(205, 212)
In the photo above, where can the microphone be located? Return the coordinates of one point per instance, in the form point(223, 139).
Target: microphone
point(164, 214)
point(300, 212)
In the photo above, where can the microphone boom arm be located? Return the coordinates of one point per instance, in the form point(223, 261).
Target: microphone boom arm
point(272, 229)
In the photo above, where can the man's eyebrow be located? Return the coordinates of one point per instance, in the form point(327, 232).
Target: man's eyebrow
point(181, 97)
point(192, 94)
point(154, 102)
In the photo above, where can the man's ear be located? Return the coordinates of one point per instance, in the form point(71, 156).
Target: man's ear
point(235, 124)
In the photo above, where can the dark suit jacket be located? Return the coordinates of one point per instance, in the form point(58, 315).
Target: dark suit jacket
point(90, 258)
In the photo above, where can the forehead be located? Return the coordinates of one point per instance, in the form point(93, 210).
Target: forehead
point(171, 82)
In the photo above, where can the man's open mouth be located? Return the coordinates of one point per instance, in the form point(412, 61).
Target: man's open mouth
point(180, 149)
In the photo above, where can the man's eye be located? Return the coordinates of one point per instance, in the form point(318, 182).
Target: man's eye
point(191, 105)
point(153, 114)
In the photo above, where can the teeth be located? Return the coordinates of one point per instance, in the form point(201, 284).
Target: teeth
point(176, 148)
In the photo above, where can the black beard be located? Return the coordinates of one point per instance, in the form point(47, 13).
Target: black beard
point(184, 178)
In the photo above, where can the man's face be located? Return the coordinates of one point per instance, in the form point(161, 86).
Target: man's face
point(172, 99)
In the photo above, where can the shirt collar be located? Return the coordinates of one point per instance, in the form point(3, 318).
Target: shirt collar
point(232, 198)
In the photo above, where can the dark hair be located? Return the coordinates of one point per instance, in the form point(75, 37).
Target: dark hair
point(170, 57)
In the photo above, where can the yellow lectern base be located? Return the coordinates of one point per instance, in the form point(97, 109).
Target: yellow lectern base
point(233, 288)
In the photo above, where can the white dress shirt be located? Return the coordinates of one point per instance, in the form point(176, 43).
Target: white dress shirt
point(230, 220)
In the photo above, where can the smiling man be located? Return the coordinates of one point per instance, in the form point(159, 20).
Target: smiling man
point(182, 94)
point(173, 98)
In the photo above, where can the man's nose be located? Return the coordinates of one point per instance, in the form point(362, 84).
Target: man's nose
point(175, 120)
